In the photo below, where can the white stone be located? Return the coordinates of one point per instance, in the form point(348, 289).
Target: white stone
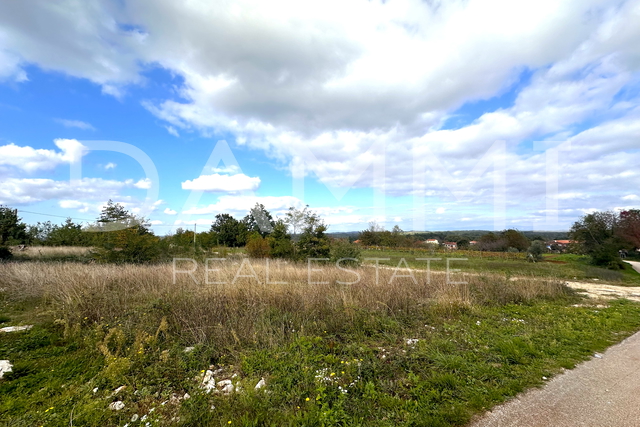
point(116, 406)
point(134, 418)
point(16, 328)
point(5, 366)
point(208, 381)
point(260, 384)
point(227, 389)
point(186, 396)
point(119, 389)
point(95, 389)
point(188, 349)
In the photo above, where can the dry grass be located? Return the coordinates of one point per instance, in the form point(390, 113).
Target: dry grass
point(247, 309)
point(49, 252)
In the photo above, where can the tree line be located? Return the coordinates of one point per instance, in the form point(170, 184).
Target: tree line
point(120, 236)
point(117, 235)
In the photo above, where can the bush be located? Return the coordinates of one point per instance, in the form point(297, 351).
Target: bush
point(535, 251)
point(341, 249)
point(258, 246)
point(128, 246)
point(5, 253)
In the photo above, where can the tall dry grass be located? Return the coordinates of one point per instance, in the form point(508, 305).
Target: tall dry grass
point(45, 253)
point(245, 308)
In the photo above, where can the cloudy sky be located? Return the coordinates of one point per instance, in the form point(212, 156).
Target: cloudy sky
point(429, 114)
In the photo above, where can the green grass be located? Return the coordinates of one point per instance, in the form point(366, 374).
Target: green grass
point(561, 266)
point(467, 359)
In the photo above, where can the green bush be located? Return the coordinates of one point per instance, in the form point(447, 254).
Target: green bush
point(536, 250)
point(341, 249)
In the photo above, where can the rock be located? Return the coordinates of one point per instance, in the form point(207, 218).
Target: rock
point(412, 341)
point(227, 389)
point(119, 389)
point(261, 383)
point(597, 356)
point(116, 406)
point(188, 349)
point(95, 389)
point(5, 366)
point(208, 381)
point(186, 396)
point(16, 328)
point(224, 383)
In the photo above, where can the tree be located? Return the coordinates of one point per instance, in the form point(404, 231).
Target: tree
point(313, 241)
point(598, 236)
point(12, 229)
point(296, 219)
point(372, 236)
point(280, 241)
point(259, 220)
point(39, 233)
point(67, 234)
point(629, 227)
point(123, 237)
point(230, 231)
point(516, 239)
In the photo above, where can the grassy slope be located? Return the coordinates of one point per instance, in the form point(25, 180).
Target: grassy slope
point(561, 266)
point(468, 359)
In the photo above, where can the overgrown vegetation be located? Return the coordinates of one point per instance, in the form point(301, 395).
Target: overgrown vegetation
point(378, 352)
point(604, 236)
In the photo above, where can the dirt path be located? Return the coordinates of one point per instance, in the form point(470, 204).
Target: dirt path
point(604, 391)
point(595, 290)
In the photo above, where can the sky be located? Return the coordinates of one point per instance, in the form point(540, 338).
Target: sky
point(428, 114)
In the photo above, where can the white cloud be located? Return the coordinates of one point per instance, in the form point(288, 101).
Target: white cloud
point(223, 183)
point(277, 205)
point(156, 222)
point(172, 131)
point(339, 77)
point(168, 211)
point(110, 165)
point(19, 191)
point(143, 184)
point(199, 221)
point(76, 124)
point(232, 170)
point(440, 211)
point(631, 197)
point(30, 159)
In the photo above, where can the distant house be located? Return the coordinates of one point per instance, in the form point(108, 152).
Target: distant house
point(432, 242)
point(559, 245)
point(473, 242)
point(450, 245)
point(357, 241)
point(562, 243)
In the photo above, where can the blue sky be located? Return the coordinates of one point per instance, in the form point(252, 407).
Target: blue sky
point(428, 115)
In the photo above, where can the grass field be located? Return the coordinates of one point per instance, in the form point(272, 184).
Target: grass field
point(391, 351)
point(558, 266)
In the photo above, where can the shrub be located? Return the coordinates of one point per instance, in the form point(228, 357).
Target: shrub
point(258, 246)
point(280, 243)
point(341, 249)
point(535, 251)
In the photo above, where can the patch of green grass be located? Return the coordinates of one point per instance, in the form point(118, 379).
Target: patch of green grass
point(560, 266)
point(364, 373)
